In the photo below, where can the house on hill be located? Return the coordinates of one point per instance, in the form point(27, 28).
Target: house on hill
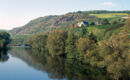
point(83, 23)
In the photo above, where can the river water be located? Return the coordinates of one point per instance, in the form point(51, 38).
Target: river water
point(23, 64)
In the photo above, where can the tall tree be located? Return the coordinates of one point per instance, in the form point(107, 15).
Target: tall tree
point(56, 43)
point(70, 49)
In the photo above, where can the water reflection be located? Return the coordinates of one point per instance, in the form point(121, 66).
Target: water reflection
point(57, 67)
point(3, 56)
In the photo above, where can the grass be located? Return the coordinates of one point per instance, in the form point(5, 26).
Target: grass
point(105, 27)
point(20, 36)
point(109, 15)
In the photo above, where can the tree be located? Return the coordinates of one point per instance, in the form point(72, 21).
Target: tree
point(56, 43)
point(4, 39)
point(105, 22)
point(91, 36)
point(85, 44)
point(83, 30)
point(38, 42)
point(70, 47)
point(92, 23)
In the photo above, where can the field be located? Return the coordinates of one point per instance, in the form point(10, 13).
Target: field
point(109, 15)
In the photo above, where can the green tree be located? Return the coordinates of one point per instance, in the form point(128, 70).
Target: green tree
point(56, 43)
point(105, 22)
point(4, 39)
point(38, 42)
point(70, 47)
point(84, 44)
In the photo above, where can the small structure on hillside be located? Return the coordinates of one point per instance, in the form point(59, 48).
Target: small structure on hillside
point(83, 23)
point(98, 23)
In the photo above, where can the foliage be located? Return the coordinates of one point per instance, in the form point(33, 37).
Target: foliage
point(105, 45)
point(70, 48)
point(89, 45)
point(4, 39)
point(18, 40)
point(38, 41)
point(56, 42)
point(48, 23)
point(110, 15)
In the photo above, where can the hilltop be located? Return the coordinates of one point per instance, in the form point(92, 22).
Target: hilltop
point(52, 22)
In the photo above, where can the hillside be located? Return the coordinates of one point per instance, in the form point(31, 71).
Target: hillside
point(51, 22)
point(48, 23)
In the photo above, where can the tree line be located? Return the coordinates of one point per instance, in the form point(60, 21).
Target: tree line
point(4, 39)
point(111, 54)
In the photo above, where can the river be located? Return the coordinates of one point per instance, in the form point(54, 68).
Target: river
point(23, 64)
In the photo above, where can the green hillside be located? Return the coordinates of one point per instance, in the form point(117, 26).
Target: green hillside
point(48, 23)
point(110, 15)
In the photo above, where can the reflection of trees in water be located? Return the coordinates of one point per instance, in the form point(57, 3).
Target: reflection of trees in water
point(58, 67)
point(3, 55)
point(72, 70)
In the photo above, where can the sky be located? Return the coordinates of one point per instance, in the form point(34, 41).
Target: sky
point(16, 13)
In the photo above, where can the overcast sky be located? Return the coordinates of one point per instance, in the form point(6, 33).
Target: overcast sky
point(15, 13)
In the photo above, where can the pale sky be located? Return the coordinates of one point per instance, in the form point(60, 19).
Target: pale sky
point(15, 13)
